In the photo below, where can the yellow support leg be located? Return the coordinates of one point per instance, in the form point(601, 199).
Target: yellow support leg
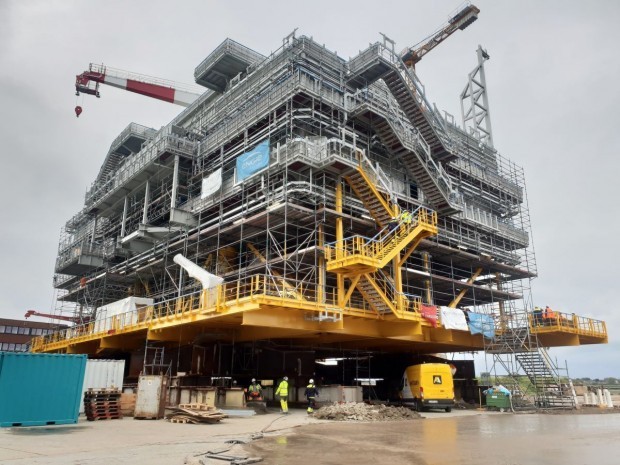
point(460, 295)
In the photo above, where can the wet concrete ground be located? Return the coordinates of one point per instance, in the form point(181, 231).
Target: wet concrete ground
point(461, 437)
point(504, 439)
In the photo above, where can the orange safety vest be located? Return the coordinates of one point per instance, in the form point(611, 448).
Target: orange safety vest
point(550, 314)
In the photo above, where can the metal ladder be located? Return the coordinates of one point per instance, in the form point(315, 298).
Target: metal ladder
point(154, 361)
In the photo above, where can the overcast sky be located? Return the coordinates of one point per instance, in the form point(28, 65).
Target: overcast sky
point(553, 81)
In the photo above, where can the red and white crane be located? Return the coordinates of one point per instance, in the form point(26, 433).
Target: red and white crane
point(72, 319)
point(161, 89)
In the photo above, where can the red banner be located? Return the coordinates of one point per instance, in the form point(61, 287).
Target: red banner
point(429, 312)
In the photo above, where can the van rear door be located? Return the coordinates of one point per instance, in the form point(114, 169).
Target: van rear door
point(437, 384)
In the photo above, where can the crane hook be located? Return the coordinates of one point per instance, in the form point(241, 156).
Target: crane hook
point(78, 111)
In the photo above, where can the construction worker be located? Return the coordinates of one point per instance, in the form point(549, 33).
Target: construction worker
point(538, 315)
point(393, 224)
point(311, 394)
point(255, 391)
point(406, 217)
point(282, 391)
point(549, 316)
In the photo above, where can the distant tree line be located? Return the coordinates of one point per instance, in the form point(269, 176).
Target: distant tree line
point(596, 381)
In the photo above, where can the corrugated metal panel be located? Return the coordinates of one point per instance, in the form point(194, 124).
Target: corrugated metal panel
point(40, 389)
point(102, 374)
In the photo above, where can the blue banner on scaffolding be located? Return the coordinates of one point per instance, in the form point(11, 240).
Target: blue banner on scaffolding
point(253, 161)
point(479, 323)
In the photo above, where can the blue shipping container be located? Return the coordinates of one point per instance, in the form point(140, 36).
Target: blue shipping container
point(40, 389)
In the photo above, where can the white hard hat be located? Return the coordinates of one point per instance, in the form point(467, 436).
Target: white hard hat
point(311, 381)
point(253, 380)
point(286, 378)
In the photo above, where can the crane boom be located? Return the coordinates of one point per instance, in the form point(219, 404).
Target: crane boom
point(463, 18)
point(168, 91)
point(72, 319)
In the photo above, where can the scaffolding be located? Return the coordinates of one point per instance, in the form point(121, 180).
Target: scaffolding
point(350, 145)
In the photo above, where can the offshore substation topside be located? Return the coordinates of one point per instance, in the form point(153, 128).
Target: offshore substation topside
point(286, 181)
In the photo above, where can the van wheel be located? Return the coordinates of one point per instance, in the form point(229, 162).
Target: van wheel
point(448, 409)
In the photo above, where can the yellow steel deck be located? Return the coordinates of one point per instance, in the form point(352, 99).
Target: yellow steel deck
point(260, 307)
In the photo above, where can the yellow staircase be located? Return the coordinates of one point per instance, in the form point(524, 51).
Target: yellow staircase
point(371, 186)
point(361, 259)
point(375, 201)
point(359, 254)
point(379, 291)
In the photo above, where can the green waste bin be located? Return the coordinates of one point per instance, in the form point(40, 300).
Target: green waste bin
point(498, 400)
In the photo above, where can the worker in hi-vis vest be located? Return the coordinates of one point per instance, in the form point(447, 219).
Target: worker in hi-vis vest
point(255, 391)
point(282, 391)
point(311, 394)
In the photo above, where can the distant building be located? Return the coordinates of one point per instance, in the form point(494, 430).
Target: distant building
point(15, 335)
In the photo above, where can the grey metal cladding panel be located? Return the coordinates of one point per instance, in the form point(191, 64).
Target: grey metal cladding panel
point(230, 65)
point(134, 142)
point(217, 76)
point(368, 76)
point(212, 81)
point(229, 58)
point(84, 264)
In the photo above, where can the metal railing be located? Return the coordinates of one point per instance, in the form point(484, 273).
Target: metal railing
point(410, 137)
point(568, 323)
point(374, 173)
point(405, 305)
point(231, 47)
point(163, 142)
point(409, 78)
point(77, 250)
point(258, 288)
point(383, 243)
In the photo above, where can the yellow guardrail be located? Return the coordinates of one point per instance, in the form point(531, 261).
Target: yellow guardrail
point(220, 300)
point(379, 246)
point(567, 322)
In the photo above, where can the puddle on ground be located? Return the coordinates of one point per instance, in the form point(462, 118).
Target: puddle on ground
point(498, 439)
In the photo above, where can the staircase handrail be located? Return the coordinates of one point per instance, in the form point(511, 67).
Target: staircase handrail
point(419, 93)
point(375, 247)
point(406, 302)
point(375, 173)
point(549, 363)
point(401, 302)
point(410, 137)
point(413, 140)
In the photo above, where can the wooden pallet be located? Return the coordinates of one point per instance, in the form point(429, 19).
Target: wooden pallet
point(196, 406)
point(102, 404)
point(102, 391)
point(103, 417)
point(195, 413)
point(106, 398)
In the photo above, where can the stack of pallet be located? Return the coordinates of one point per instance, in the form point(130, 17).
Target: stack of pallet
point(128, 403)
point(195, 413)
point(102, 404)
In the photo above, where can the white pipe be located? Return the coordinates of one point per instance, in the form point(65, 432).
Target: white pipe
point(599, 394)
point(207, 279)
point(608, 400)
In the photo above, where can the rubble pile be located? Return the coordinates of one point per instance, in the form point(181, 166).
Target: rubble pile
point(356, 411)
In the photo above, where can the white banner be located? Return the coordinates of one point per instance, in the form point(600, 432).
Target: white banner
point(211, 184)
point(453, 318)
